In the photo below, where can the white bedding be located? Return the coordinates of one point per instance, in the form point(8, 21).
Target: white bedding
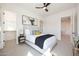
point(47, 43)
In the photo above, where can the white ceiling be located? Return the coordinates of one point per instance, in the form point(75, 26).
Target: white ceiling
point(53, 7)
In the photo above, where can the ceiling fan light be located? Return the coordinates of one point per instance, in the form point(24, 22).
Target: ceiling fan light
point(44, 7)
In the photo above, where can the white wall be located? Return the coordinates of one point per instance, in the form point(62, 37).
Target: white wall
point(52, 23)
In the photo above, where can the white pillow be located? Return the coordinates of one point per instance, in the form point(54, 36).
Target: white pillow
point(27, 32)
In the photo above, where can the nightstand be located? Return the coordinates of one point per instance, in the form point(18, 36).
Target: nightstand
point(21, 38)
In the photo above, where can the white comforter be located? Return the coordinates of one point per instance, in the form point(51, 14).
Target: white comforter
point(48, 42)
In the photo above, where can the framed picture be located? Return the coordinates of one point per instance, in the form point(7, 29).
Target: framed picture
point(25, 20)
point(29, 21)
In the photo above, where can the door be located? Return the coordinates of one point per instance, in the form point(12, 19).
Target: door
point(66, 29)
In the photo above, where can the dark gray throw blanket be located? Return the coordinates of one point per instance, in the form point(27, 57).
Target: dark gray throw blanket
point(40, 40)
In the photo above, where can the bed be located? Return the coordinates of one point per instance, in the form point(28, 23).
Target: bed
point(40, 42)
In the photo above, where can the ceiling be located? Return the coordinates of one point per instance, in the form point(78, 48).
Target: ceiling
point(53, 7)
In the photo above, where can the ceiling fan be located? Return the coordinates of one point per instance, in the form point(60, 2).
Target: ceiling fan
point(44, 7)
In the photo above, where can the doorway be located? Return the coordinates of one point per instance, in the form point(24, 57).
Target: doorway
point(66, 28)
point(66, 35)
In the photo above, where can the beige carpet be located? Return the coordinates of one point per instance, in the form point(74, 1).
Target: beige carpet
point(64, 47)
point(12, 49)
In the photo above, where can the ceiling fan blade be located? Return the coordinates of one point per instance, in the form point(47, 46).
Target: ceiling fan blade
point(44, 4)
point(46, 10)
point(39, 7)
point(47, 4)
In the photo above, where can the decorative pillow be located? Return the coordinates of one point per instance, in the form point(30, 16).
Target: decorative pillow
point(37, 33)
